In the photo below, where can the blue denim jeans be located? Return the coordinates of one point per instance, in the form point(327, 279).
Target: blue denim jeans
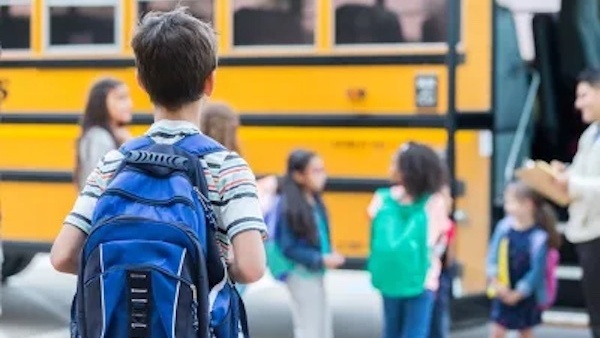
point(440, 320)
point(408, 317)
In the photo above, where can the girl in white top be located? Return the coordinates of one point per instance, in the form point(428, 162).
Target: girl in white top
point(107, 112)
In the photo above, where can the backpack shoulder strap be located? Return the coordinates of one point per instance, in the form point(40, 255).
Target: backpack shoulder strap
point(135, 144)
point(199, 145)
point(538, 239)
point(196, 146)
point(129, 146)
point(423, 200)
point(272, 215)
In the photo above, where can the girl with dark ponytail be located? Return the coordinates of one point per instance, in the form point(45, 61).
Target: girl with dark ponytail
point(303, 237)
point(517, 261)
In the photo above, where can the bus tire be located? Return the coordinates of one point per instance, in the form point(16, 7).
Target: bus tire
point(15, 263)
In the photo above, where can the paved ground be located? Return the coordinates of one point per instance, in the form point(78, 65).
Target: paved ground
point(36, 304)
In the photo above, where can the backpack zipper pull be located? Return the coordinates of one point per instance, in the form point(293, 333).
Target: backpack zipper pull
point(195, 323)
point(194, 292)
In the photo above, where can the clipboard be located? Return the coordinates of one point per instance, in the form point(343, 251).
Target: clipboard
point(540, 176)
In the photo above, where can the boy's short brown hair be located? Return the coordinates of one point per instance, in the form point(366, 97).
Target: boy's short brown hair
point(175, 53)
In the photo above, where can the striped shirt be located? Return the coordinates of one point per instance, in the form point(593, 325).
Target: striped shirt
point(231, 186)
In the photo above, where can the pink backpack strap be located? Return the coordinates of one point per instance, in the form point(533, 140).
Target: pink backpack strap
point(550, 280)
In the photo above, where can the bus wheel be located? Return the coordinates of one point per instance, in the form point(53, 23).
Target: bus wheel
point(15, 263)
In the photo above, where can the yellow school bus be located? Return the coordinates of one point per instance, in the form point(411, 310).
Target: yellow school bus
point(309, 73)
point(351, 79)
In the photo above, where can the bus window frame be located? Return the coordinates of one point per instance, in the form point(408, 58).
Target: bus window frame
point(409, 48)
point(19, 52)
point(271, 50)
point(84, 49)
point(137, 18)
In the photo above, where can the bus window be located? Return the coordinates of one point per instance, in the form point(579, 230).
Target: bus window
point(273, 22)
point(386, 21)
point(74, 24)
point(15, 17)
point(202, 9)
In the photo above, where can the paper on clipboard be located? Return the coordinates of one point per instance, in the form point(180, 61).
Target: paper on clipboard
point(540, 176)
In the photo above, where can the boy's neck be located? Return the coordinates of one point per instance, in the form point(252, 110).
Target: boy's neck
point(189, 113)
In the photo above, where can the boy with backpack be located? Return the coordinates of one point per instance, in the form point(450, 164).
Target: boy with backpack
point(165, 223)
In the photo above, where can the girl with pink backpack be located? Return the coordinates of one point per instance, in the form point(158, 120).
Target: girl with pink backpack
point(522, 261)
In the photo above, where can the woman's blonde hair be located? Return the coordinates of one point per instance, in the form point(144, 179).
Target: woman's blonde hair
point(220, 122)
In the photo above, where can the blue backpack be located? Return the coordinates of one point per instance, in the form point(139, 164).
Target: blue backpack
point(279, 265)
point(150, 267)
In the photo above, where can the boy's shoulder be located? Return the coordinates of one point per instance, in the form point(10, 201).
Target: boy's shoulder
point(111, 159)
point(225, 160)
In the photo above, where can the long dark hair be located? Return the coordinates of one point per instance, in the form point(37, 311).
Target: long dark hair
point(295, 207)
point(545, 216)
point(3, 91)
point(421, 169)
point(96, 114)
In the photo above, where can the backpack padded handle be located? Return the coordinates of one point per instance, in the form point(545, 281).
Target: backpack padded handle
point(157, 164)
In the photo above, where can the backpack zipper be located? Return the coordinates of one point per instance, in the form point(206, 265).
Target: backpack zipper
point(207, 206)
point(186, 230)
point(147, 201)
point(194, 309)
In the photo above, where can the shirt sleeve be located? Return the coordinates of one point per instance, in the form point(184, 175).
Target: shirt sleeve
point(240, 208)
point(374, 206)
point(93, 147)
point(81, 214)
point(494, 245)
point(534, 277)
point(581, 186)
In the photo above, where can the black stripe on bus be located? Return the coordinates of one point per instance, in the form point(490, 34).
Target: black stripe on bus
point(36, 176)
point(334, 184)
point(14, 248)
point(470, 120)
point(358, 60)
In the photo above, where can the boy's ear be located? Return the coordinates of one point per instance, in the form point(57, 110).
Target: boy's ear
point(209, 84)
